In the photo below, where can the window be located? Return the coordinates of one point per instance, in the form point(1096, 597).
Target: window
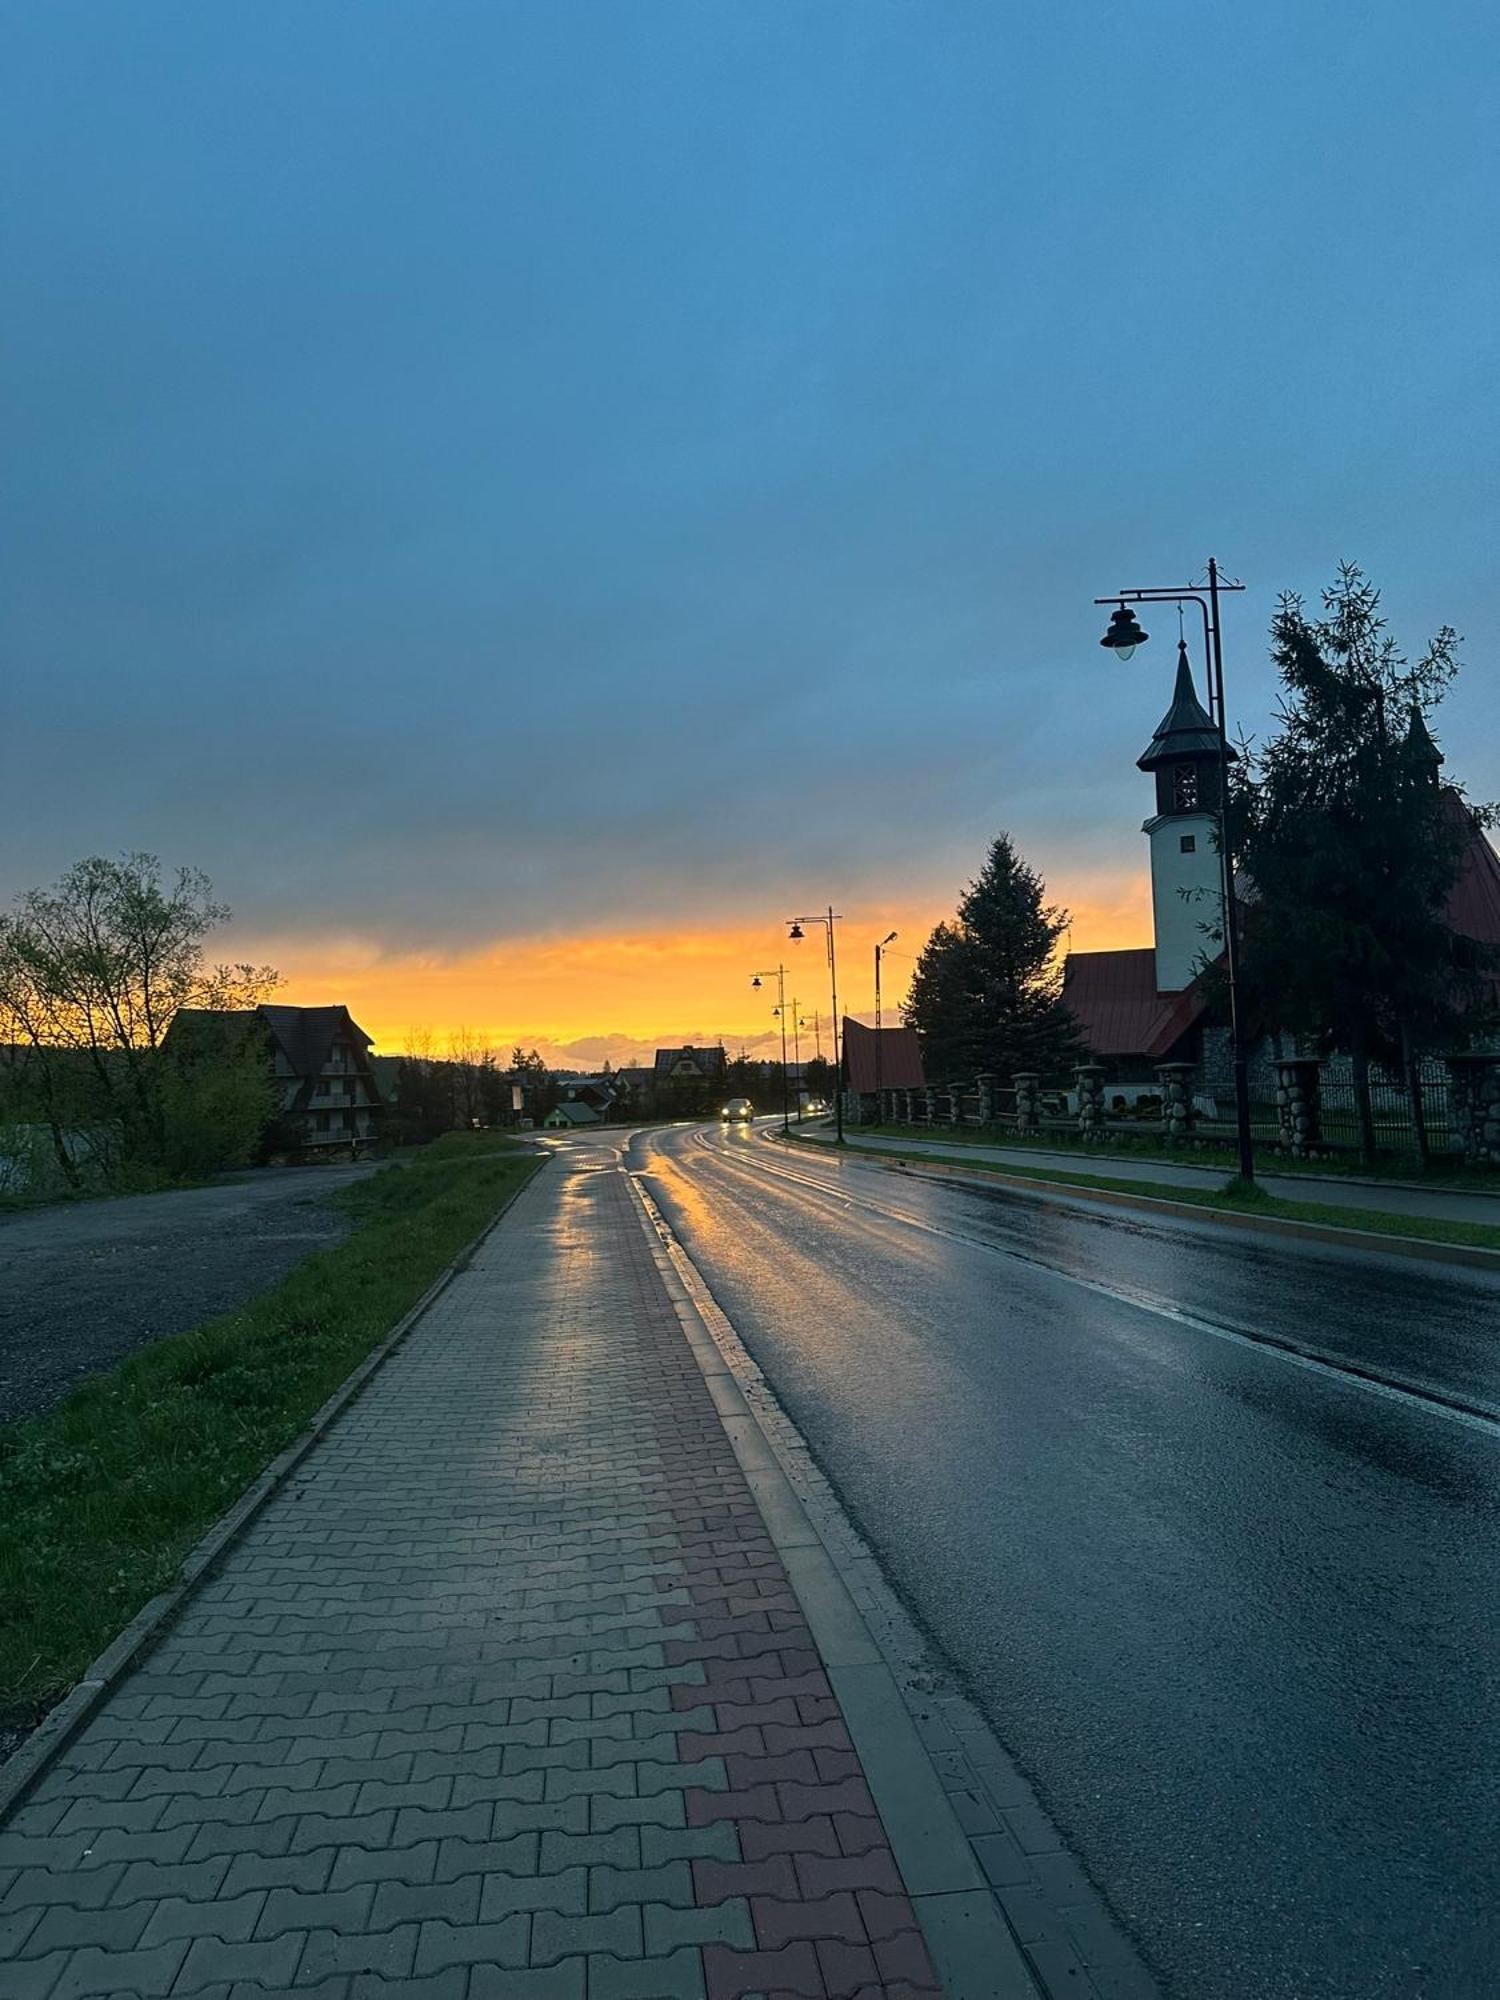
point(1189, 843)
point(1185, 788)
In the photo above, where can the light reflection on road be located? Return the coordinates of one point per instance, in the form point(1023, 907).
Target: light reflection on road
point(1236, 1617)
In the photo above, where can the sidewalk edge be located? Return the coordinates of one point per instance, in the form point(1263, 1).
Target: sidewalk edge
point(918, 1166)
point(973, 1948)
point(57, 1728)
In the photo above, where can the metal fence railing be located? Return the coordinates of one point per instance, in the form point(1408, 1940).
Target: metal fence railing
point(1392, 1109)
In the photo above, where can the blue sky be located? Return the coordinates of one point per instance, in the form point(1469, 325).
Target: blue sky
point(481, 472)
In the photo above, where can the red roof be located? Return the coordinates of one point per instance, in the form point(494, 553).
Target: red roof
point(900, 1058)
point(1112, 995)
point(1474, 901)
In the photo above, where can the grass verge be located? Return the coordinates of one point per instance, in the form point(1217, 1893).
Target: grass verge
point(1126, 1146)
point(1234, 1195)
point(102, 1497)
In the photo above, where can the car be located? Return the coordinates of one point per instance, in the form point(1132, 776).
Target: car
point(737, 1108)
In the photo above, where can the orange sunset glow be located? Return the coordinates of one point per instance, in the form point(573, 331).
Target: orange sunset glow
point(620, 993)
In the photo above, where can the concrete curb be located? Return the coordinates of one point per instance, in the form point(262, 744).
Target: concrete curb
point(972, 1947)
point(61, 1724)
point(920, 1166)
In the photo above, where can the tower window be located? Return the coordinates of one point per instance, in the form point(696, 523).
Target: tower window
point(1185, 788)
point(1189, 843)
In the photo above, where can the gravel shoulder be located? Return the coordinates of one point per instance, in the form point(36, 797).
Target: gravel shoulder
point(83, 1284)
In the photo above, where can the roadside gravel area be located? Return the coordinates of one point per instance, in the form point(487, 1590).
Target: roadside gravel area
point(82, 1284)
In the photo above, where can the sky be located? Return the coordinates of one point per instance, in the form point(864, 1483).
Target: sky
point(532, 496)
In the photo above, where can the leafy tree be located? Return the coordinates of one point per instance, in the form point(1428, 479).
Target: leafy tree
point(93, 973)
point(987, 991)
point(817, 1078)
point(1341, 829)
point(219, 1100)
point(539, 1090)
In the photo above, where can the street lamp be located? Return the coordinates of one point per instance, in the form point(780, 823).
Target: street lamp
point(796, 934)
point(817, 1028)
point(1122, 638)
point(879, 1043)
point(778, 973)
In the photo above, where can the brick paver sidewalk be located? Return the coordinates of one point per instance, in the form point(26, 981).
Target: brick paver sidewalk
point(504, 1697)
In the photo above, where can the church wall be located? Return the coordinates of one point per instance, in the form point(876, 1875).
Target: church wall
point(1216, 1064)
point(1185, 895)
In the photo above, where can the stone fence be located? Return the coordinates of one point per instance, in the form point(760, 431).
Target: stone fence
point(1023, 1107)
point(1468, 1090)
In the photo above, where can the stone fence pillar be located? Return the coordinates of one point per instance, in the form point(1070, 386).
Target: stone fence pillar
point(985, 1086)
point(1177, 1110)
point(1474, 1102)
point(1089, 1079)
point(1299, 1105)
point(929, 1105)
point(1028, 1083)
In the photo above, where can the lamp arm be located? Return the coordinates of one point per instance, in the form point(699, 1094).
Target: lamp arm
point(1180, 597)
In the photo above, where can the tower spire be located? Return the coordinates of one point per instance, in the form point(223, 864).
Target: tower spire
point(1186, 729)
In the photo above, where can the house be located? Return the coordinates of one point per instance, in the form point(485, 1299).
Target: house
point(328, 1099)
point(570, 1116)
point(689, 1065)
point(598, 1092)
point(878, 1059)
point(1149, 1004)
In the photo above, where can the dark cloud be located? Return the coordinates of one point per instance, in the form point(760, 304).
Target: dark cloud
point(489, 471)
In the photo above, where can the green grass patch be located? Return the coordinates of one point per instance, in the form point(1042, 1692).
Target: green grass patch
point(102, 1497)
point(1234, 1195)
point(1124, 1144)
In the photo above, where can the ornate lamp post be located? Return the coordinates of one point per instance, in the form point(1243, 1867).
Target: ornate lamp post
point(778, 973)
point(1122, 638)
point(879, 1045)
point(795, 933)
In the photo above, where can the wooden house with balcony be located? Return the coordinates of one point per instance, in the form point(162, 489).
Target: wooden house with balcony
point(328, 1101)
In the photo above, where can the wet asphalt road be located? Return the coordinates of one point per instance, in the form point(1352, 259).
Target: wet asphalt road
point(1235, 1613)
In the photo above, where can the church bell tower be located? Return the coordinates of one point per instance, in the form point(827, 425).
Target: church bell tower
point(1186, 760)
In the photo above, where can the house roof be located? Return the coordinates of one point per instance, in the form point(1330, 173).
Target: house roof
point(573, 1113)
point(305, 1035)
point(900, 1058)
point(1114, 999)
point(1473, 908)
point(1186, 729)
point(710, 1062)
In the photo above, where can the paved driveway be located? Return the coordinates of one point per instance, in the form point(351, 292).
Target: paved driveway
point(84, 1283)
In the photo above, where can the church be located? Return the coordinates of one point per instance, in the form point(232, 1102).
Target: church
point(1142, 1007)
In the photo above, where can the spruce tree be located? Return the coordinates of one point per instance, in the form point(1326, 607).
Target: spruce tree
point(1350, 855)
point(987, 991)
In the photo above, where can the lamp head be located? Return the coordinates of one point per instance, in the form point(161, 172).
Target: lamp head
point(756, 980)
point(795, 933)
point(888, 940)
point(1124, 633)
